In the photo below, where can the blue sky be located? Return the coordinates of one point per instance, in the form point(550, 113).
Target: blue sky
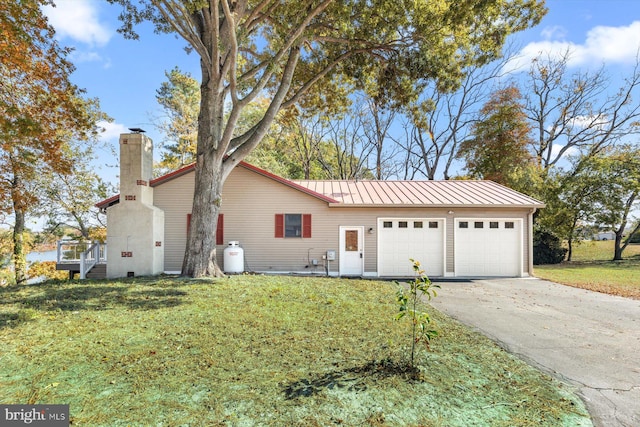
point(124, 74)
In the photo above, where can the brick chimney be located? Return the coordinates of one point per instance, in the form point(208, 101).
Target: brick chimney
point(135, 227)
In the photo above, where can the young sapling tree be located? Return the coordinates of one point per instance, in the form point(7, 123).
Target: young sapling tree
point(408, 303)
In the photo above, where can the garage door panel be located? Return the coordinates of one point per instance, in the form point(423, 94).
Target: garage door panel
point(397, 245)
point(488, 251)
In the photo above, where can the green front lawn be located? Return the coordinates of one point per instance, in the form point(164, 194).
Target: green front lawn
point(592, 268)
point(257, 350)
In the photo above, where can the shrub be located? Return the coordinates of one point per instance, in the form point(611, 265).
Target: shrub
point(48, 270)
point(547, 248)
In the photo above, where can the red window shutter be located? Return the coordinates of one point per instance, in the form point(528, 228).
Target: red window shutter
point(306, 226)
point(188, 223)
point(279, 225)
point(220, 230)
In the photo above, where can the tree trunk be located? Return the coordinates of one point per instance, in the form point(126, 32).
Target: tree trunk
point(617, 254)
point(379, 161)
point(619, 247)
point(82, 227)
point(19, 257)
point(213, 166)
point(572, 231)
point(200, 256)
point(19, 210)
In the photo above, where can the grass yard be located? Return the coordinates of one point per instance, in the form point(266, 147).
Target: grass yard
point(592, 268)
point(257, 350)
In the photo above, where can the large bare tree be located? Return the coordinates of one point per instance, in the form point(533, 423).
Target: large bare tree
point(288, 48)
point(441, 119)
point(576, 113)
point(377, 132)
point(348, 150)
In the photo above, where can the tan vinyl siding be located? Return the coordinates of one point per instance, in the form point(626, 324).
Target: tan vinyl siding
point(250, 202)
point(175, 198)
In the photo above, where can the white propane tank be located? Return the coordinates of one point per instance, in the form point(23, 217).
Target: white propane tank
point(233, 258)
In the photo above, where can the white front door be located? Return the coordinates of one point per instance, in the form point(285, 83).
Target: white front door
point(351, 251)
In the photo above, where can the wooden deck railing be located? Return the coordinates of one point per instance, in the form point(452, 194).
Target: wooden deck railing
point(86, 254)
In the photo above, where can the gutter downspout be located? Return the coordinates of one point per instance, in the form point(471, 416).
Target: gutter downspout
point(530, 237)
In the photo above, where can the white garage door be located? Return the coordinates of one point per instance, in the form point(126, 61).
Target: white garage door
point(401, 239)
point(488, 247)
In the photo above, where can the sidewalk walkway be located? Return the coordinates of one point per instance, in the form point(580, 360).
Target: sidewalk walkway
point(587, 339)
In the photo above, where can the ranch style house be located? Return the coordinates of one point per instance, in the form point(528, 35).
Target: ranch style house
point(367, 228)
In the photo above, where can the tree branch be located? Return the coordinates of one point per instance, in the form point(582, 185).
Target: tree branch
point(174, 12)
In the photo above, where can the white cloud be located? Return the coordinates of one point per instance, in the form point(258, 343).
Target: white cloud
point(547, 48)
point(585, 122)
point(89, 56)
point(613, 44)
point(571, 151)
point(78, 20)
point(112, 131)
point(554, 32)
point(602, 45)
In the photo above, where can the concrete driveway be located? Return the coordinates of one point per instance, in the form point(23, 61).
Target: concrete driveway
point(587, 339)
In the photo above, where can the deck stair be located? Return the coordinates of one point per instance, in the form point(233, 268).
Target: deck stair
point(99, 271)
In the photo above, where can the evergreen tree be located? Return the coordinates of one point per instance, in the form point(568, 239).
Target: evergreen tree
point(499, 147)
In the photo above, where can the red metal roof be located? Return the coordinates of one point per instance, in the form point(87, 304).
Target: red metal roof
point(345, 193)
point(192, 167)
point(452, 193)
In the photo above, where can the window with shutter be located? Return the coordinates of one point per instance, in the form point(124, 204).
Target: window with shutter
point(293, 225)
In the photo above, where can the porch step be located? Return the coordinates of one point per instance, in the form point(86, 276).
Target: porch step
point(98, 272)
